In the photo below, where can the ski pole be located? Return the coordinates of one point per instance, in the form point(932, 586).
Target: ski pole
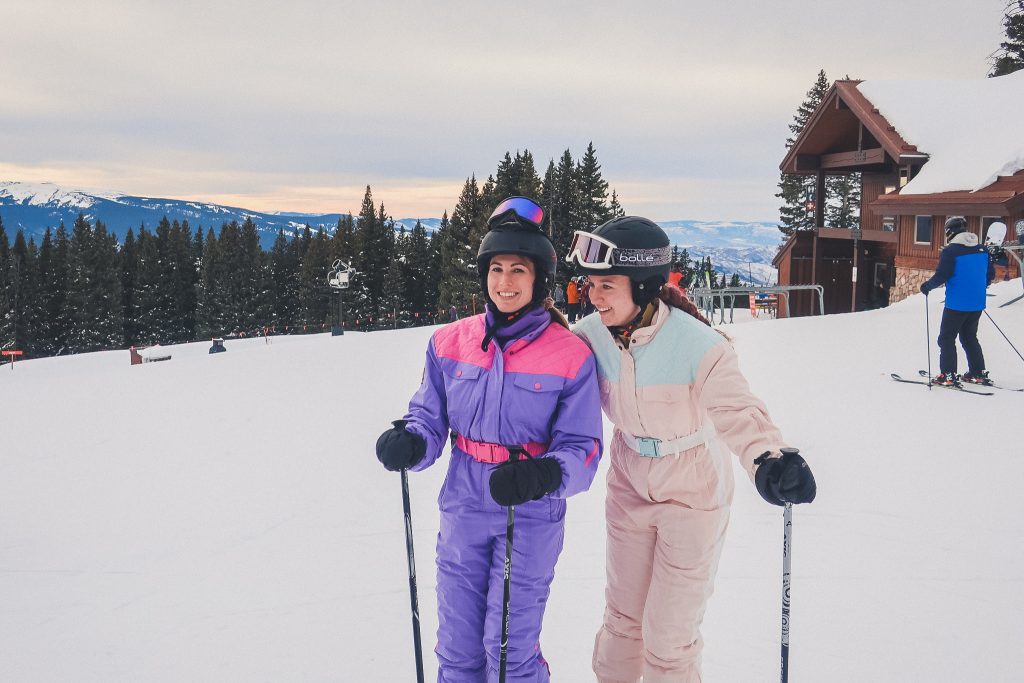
point(412, 578)
point(1004, 336)
point(928, 339)
point(503, 653)
point(787, 551)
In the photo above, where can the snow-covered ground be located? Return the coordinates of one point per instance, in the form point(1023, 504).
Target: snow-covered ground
point(223, 518)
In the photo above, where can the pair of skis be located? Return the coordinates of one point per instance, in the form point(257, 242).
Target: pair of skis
point(967, 389)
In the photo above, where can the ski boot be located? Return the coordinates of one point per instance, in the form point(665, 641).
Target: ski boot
point(946, 379)
point(978, 378)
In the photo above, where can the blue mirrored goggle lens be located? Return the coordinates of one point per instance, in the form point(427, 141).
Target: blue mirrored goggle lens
point(527, 209)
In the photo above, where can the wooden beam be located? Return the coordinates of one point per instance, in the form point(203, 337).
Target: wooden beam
point(850, 234)
point(867, 157)
point(807, 162)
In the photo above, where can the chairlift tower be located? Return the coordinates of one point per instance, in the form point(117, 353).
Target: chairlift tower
point(339, 279)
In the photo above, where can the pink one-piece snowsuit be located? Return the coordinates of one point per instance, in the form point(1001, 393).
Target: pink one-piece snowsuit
point(667, 511)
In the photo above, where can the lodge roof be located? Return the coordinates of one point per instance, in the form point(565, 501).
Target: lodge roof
point(964, 140)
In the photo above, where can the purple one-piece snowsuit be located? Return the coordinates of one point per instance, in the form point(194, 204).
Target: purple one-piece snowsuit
point(539, 387)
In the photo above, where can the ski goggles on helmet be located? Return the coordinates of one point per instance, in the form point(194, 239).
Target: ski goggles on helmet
point(597, 253)
point(523, 208)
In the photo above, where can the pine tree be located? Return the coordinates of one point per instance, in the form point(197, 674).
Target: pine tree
point(418, 294)
point(197, 249)
point(343, 242)
point(506, 178)
point(435, 276)
point(564, 201)
point(20, 278)
point(284, 275)
point(184, 278)
point(614, 208)
point(53, 295)
point(528, 183)
point(154, 294)
point(108, 325)
point(375, 248)
point(252, 281)
point(796, 190)
point(1010, 55)
point(394, 307)
point(843, 208)
point(313, 296)
point(129, 278)
point(592, 192)
point(93, 303)
point(212, 302)
point(460, 283)
point(6, 303)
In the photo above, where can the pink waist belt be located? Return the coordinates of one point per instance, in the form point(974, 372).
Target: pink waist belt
point(493, 453)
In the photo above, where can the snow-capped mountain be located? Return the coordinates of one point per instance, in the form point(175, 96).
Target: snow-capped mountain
point(745, 248)
point(34, 207)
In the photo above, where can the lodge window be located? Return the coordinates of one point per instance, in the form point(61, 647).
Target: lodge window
point(889, 223)
point(923, 230)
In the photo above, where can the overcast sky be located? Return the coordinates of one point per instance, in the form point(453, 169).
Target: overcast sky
point(299, 105)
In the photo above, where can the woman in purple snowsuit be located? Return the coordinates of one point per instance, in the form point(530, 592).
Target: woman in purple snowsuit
point(512, 377)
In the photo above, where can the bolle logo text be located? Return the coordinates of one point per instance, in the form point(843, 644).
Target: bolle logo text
point(625, 258)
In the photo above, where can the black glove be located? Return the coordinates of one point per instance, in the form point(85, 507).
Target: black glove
point(517, 481)
point(784, 480)
point(925, 288)
point(398, 449)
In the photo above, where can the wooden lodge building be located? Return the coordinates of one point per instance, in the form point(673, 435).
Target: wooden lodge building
point(901, 226)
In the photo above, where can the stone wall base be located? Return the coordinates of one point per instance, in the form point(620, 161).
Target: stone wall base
point(908, 282)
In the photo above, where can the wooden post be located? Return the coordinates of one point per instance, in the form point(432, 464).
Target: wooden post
point(12, 354)
point(853, 276)
point(814, 266)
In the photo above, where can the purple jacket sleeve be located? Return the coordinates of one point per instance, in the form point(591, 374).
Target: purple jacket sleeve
point(428, 411)
point(577, 431)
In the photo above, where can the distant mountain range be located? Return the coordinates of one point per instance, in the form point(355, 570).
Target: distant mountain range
point(739, 247)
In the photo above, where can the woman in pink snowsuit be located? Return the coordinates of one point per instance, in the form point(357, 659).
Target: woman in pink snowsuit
point(512, 378)
point(672, 387)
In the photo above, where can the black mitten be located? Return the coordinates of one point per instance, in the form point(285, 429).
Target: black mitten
point(784, 480)
point(517, 481)
point(398, 449)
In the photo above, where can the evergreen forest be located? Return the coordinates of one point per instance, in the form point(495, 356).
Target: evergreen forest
point(82, 290)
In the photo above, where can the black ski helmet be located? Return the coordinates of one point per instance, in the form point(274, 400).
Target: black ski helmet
point(510, 233)
point(642, 253)
point(954, 226)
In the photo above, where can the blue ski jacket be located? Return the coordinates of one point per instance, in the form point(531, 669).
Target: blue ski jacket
point(966, 270)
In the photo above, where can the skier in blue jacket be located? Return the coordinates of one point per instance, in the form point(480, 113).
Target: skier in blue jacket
point(966, 270)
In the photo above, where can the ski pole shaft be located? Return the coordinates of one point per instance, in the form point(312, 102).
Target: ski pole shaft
point(928, 340)
point(503, 657)
point(412, 578)
point(1004, 336)
point(510, 523)
point(787, 551)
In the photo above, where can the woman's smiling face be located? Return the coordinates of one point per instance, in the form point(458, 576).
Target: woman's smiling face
point(612, 296)
point(510, 280)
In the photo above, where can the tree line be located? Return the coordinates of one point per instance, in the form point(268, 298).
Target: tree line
point(86, 291)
